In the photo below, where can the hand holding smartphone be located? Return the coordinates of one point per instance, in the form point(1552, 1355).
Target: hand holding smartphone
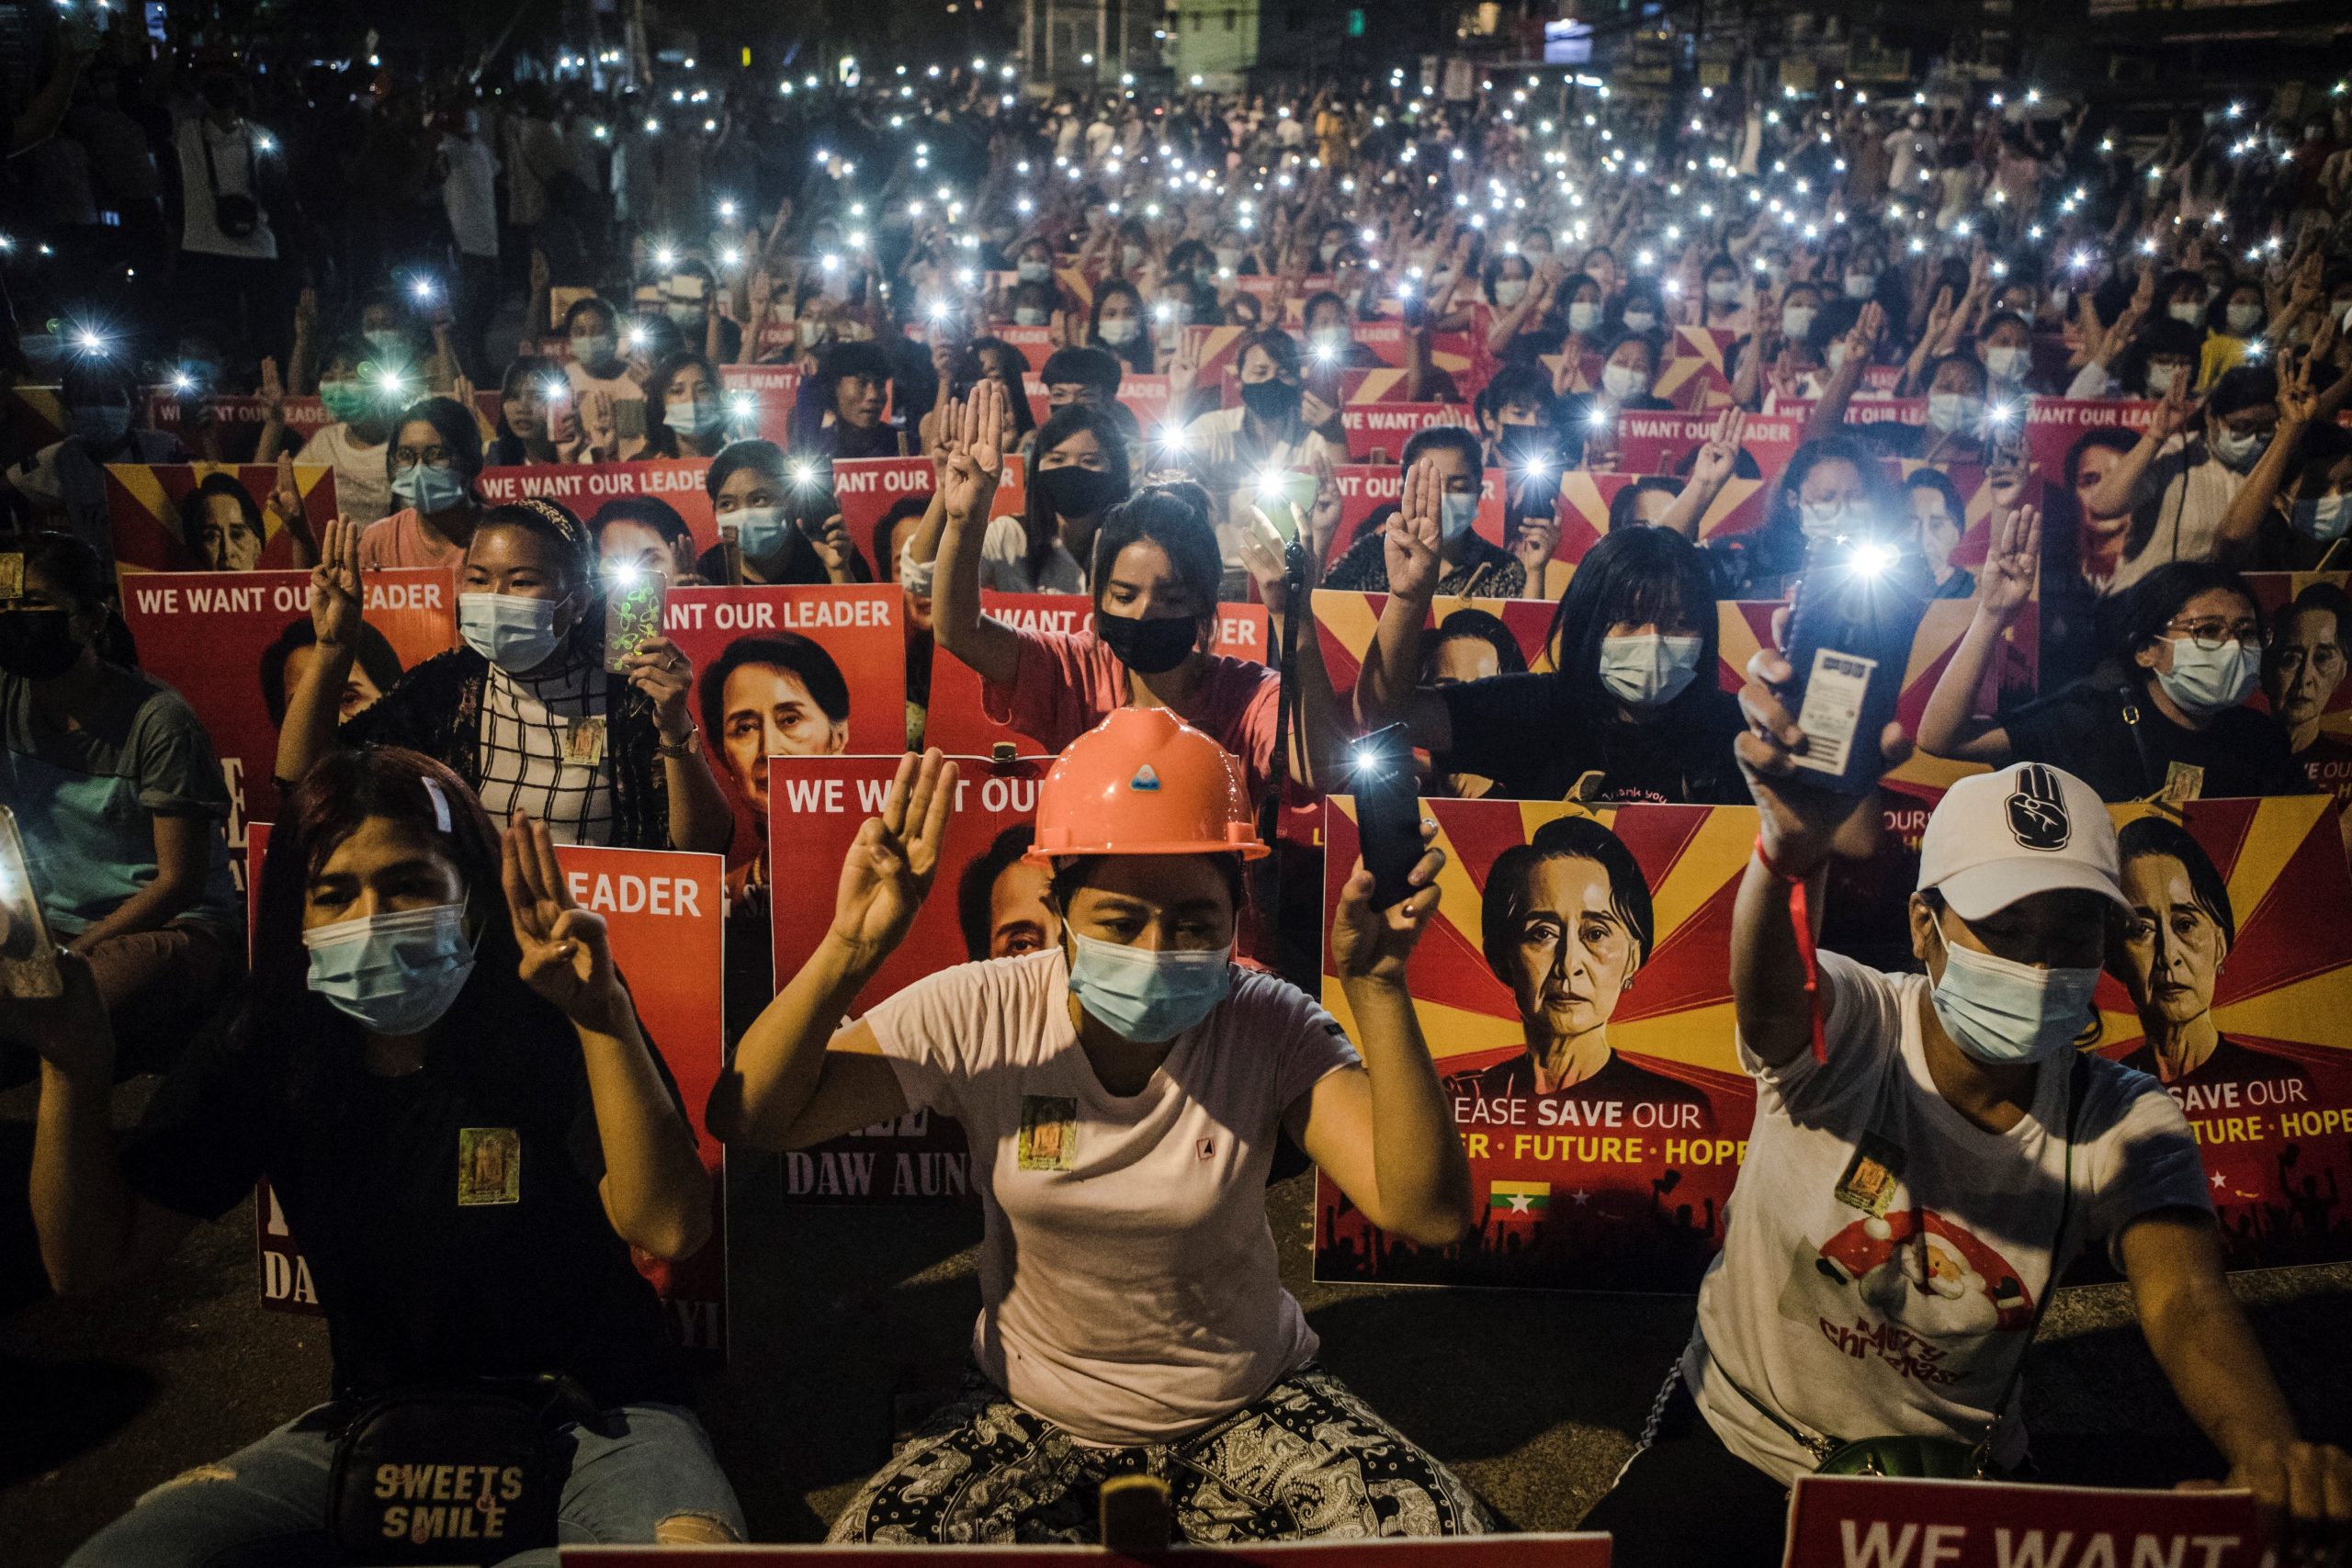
point(28, 952)
point(1857, 608)
point(1388, 813)
point(637, 603)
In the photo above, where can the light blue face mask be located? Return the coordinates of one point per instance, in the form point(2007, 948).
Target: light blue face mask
point(2324, 519)
point(2206, 680)
point(1955, 413)
point(389, 342)
point(1456, 519)
point(429, 490)
point(515, 632)
point(760, 531)
point(1648, 670)
point(693, 416)
point(395, 974)
point(2005, 1013)
point(1145, 995)
point(101, 424)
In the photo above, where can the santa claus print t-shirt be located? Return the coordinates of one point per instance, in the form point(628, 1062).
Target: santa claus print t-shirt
point(1886, 1253)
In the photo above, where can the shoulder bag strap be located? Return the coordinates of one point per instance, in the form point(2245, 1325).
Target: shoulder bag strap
point(2131, 698)
point(2078, 1079)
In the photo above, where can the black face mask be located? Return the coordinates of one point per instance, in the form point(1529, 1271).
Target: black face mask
point(38, 644)
point(1151, 647)
point(1074, 492)
point(1274, 401)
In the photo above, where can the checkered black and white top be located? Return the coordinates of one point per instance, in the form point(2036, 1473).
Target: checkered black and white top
point(546, 746)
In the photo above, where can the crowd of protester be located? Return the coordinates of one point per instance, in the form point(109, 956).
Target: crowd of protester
point(958, 269)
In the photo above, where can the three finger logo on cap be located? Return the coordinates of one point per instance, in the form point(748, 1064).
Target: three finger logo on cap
point(2038, 819)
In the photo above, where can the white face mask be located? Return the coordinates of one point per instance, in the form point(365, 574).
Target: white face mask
point(2243, 318)
point(1822, 519)
point(1623, 382)
point(2160, 378)
point(1649, 670)
point(2186, 311)
point(1118, 331)
point(1028, 316)
point(1640, 320)
point(1131, 256)
point(1834, 355)
point(1860, 285)
point(2005, 362)
point(1583, 316)
point(1724, 291)
point(1796, 319)
point(1510, 291)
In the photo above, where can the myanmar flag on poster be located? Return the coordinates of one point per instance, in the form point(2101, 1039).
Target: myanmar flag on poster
point(1518, 1197)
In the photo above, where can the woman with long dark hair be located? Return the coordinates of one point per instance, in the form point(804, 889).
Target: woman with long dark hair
point(426, 996)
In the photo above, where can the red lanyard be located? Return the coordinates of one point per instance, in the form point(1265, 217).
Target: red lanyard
point(1801, 920)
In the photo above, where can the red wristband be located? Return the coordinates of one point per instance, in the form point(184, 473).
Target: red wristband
point(1801, 922)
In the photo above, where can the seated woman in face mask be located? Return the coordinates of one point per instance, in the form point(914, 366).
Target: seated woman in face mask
point(778, 517)
point(422, 990)
point(2191, 470)
point(67, 478)
point(525, 712)
point(1633, 713)
point(1116, 323)
point(2162, 712)
point(685, 408)
point(1154, 579)
point(435, 459)
point(1958, 429)
point(1078, 473)
point(1123, 1089)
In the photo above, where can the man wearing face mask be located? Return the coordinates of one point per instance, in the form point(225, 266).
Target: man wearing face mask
point(66, 478)
point(1632, 714)
point(1227, 449)
point(2191, 479)
point(1467, 564)
point(1930, 1154)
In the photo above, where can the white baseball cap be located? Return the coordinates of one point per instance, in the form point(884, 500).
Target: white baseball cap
point(1996, 837)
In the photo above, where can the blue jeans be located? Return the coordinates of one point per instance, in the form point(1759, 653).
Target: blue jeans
point(645, 1474)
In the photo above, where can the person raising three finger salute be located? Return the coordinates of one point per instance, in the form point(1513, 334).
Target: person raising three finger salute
point(1930, 1154)
point(525, 712)
point(1123, 1090)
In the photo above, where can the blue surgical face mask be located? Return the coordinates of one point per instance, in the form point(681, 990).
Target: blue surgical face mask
point(2005, 1013)
point(515, 632)
point(1648, 670)
point(1146, 996)
point(395, 974)
point(760, 531)
point(594, 348)
point(1955, 413)
point(2206, 680)
point(2238, 448)
point(429, 490)
point(1460, 512)
point(692, 416)
point(389, 342)
point(101, 424)
point(2324, 519)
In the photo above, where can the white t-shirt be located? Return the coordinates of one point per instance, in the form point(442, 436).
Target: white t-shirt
point(470, 194)
point(2191, 491)
point(1128, 1282)
point(363, 484)
point(236, 156)
point(1854, 1324)
point(1004, 563)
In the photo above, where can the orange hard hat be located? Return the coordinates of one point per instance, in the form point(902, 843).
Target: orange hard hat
point(1145, 783)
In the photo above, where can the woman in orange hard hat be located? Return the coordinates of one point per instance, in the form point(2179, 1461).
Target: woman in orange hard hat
point(1123, 1090)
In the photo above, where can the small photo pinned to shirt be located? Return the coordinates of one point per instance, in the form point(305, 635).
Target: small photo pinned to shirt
point(1048, 1131)
point(489, 1165)
point(583, 742)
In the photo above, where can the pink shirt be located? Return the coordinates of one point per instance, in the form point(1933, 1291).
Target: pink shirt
point(1067, 682)
point(401, 540)
point(1130, 1291)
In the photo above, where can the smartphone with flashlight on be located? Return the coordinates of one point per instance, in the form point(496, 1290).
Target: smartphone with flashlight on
point(1388, 813)
point(1857, 608)
point(1285, 495)
point(637, 601)
point(28, 952)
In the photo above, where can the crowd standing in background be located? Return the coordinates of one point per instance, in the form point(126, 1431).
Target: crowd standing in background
point(1127, 331)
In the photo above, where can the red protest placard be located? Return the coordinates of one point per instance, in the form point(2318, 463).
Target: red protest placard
point(867, 488)
point(985, 904)
point(1034, 344)
point(208, 516)
point(1583, 1551)
point(1880, 1522)
point(664, 910)
point(587, 488)
point(2054, 425)
point(1618, 1181)
point(234, 644)
point(1384, 428)
point(1664, 442)
point(956, 723)
point(760, 398)
point(767, 660)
